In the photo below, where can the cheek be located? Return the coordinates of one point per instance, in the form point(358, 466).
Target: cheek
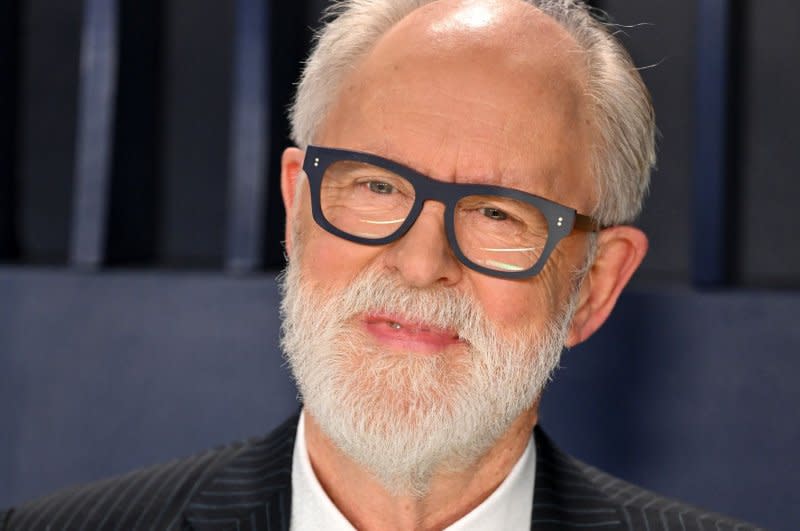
point(512, 305)
point(330, 261)
point(534, 302)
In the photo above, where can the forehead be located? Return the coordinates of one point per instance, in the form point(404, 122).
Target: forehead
point(471, 91)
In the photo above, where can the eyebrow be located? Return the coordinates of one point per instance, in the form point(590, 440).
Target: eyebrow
point(517, 180)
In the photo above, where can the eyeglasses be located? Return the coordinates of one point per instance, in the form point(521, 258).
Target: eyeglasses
point(497, 231)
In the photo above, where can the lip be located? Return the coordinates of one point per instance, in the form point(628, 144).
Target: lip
point(412, 336)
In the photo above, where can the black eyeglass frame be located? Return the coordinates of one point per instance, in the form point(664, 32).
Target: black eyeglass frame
point(561, 220)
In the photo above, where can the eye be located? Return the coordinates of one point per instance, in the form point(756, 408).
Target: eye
point(380, 187)
point(494, 213)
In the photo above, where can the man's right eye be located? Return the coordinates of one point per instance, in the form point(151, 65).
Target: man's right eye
point(380, 187)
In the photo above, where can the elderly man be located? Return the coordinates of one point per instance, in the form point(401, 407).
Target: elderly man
point(457, 212)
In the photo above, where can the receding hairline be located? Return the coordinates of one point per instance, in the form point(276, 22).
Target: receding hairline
point(516, 27)
point(438, 10)
point(526, 19)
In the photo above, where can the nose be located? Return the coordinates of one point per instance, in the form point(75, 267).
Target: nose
point(423, 256)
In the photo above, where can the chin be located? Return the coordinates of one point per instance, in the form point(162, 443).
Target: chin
point(401, 415)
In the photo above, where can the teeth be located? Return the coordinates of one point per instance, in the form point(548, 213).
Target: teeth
point(395, 326)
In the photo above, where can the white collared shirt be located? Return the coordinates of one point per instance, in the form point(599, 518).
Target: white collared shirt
point(508, 507)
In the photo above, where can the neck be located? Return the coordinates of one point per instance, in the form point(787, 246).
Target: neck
point(368, 505)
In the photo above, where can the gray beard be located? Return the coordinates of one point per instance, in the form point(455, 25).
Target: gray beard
point(405, 416)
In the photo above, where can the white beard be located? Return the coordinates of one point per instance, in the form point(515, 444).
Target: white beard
point(405, 416)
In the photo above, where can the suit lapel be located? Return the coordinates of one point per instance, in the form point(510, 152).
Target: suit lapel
point(566, 495)
point(253, 491)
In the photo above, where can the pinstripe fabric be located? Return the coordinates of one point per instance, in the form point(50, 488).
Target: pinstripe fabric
point(247, 487)
point(144, 499)
point(572, 495)
point(254, 491)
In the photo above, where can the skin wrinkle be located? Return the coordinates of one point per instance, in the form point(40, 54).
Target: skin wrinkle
point(381, 113)
point(549, 181)
point(410, 114)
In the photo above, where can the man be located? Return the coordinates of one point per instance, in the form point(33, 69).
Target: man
point(456, 215)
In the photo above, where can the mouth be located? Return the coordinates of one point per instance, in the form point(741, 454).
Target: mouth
point(408, 335)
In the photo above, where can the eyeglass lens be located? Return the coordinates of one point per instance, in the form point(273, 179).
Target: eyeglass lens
point(368, 201)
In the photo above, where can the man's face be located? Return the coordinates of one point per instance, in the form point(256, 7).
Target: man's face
point(470, 95)
point(500, 112)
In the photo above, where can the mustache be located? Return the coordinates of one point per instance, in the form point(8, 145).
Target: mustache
point(377, 292)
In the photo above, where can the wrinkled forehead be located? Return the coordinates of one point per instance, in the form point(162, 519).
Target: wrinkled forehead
point(496, 87)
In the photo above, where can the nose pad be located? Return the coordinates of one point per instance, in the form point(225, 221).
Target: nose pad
point(423, 256)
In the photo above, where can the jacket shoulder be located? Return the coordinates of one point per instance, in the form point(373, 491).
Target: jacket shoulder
point(641, 509)
point(570, 490)
point(151, 498)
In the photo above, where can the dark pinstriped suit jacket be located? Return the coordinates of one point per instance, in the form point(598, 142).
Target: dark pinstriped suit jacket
point(248, 487)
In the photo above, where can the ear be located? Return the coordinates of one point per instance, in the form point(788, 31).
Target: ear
point(291, 165)
point(620, 250)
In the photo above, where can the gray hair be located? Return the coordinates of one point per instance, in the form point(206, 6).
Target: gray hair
point(625, 152)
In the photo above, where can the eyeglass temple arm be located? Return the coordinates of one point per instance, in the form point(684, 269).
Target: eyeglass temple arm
point(586, 224)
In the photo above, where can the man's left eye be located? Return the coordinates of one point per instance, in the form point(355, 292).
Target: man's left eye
point(380, 187)
point(494, 213)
